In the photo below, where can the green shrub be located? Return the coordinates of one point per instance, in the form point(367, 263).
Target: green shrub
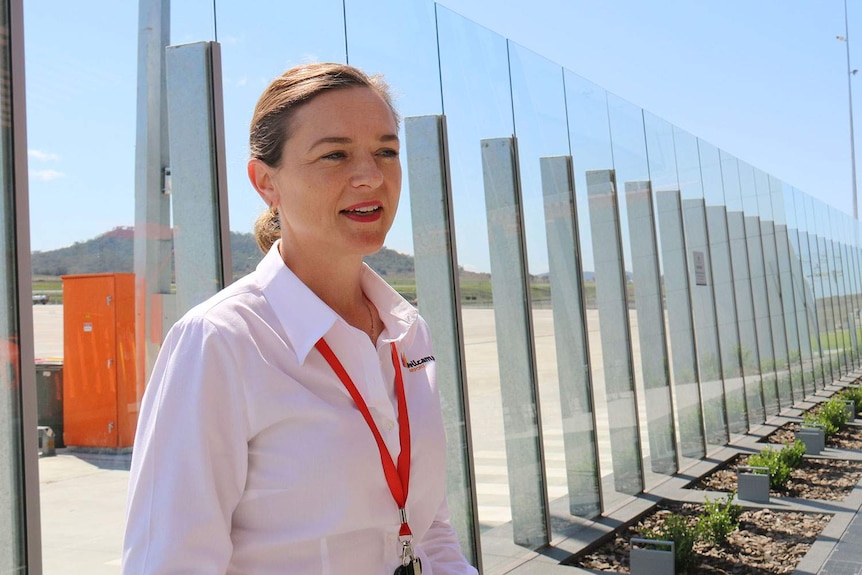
point(853, 393)
point(832, 416)
point(779, 471)
point(792, 453)
point(684, 535)
point(718, 520)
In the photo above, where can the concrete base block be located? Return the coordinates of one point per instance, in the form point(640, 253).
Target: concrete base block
point(647, 559)
point(753, 484)
point(813, 438)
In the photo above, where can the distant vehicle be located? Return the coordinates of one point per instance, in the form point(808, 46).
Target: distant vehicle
point(40, 298)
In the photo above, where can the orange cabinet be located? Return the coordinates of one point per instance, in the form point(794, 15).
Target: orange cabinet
point(100, 407)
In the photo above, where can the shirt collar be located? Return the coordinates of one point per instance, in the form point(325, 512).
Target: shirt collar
point(305, 318)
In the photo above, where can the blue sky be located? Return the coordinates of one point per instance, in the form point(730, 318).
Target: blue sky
point(765, 81)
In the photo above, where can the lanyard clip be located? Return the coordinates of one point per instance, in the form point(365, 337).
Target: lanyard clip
point(407, 554)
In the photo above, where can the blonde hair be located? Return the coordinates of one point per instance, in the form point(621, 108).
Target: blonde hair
point(270, 124)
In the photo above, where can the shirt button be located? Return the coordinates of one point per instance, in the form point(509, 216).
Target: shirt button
point(389, 425)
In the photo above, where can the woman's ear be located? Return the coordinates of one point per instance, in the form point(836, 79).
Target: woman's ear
point(262, 178)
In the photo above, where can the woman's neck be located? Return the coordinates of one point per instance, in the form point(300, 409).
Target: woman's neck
point(338, 283)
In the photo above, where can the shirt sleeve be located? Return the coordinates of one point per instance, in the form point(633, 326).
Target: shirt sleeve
point(440, 545)
point(190, 457)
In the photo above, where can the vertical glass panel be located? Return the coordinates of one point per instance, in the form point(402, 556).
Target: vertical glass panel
point(256, 50)
point(748, 350)
point(757, 276)
point(800, 290)
point(570, 329)
point(81, 113)
point(630, 165)
point(589, 136)
point(13, 420)
point(840, 276)
point(674, 273)
point(829, 335)
point(408, 61)
point(477, 103)
point(615, 335)
point(538, 97)
point(701, 283)
point(653, 355)
point(436, 272)
point(515, 349)
point(722, 280)
point(787, 299)
point(773, 288)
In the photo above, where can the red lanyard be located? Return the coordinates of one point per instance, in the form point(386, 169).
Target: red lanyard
point(398, 479)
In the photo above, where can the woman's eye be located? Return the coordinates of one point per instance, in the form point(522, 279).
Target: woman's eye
point(334, 156)
point(389, 153)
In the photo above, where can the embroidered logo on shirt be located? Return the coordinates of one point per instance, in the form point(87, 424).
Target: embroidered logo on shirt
point(415, 364)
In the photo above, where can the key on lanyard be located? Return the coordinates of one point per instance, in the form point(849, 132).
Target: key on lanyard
point(410, 564)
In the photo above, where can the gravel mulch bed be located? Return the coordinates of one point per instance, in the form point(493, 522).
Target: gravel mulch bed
point(766, 542)
point(822, 479)
point(848, 438)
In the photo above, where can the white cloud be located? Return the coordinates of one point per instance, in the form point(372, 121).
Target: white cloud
point(242, 82)
point(47, 175)
point(42, 156)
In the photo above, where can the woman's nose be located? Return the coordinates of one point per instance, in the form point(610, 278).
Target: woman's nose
point(366, 172)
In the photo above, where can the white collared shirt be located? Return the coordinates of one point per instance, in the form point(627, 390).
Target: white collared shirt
point(251, 457)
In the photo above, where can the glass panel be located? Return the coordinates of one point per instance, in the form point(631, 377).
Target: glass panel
point(539, 104)
point(680, 330)
point(570, 329)
point(15, 411)
point(757, 275)
point(515, 350)
point(800, 290)
point(722, 280)
point(589, 135)
point(437, 289)
point(829, 336)
point(786, 299)
point(652, 352)
point(631, 166)
point(477, 103)
point(747, 329)
point(701, 283)
point(80, 99)
point(615, 335)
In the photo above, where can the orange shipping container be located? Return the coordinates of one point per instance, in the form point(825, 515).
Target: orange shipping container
point(100, 407)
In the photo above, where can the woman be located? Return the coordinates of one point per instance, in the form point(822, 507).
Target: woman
point(282, 431)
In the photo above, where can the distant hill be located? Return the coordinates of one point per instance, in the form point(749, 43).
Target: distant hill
point(113, 252)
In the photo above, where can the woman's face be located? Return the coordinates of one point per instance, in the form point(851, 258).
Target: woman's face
point(339, 180)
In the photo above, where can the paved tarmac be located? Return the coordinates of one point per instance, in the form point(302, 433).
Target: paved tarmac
point(83, 494)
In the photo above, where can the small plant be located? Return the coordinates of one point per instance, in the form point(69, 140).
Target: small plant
point(718, 520)
point(832, 416)
point(792, 454)
point(684, 535)
point(853, 393)
point(779, 471)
